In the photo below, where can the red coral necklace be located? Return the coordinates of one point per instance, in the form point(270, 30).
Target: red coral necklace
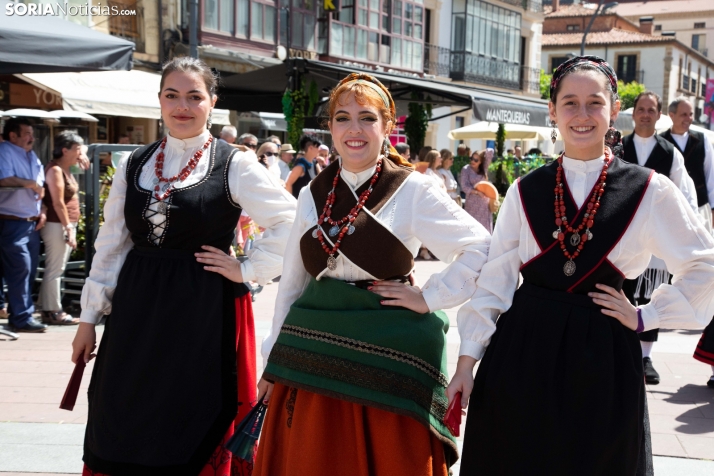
point(344, 225)
point(576, 239)
point(167, 186)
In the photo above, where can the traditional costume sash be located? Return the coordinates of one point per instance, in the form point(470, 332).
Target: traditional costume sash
point(339, 341)
point(372, 246)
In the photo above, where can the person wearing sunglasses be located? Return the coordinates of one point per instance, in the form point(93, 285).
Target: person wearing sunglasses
point(268, 154)
point(249, 141)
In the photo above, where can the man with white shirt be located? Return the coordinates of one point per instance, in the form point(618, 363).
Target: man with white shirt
point(646, 148)
point(698, 157)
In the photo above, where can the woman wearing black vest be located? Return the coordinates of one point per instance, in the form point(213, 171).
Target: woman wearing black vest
point(560, 389)
point(171, 375)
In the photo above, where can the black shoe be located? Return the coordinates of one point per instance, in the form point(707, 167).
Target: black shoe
point(31, 326)
point(651, 375)
point(710, 383)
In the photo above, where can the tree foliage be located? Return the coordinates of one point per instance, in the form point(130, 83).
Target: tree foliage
point(628, 92)
point(416, 123)
point(545, 84)
point(500, 139)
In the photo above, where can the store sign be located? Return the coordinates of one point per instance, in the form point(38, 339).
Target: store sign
point(330, 5)
point(492, 111)
point(310, 55)
point(26, 95)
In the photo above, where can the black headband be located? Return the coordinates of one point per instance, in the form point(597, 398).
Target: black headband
point(569, 65)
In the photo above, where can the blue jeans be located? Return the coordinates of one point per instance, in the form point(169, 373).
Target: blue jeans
point(19, 251)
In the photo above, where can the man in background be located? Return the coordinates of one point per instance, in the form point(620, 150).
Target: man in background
point(22, 215)
point(229, 134)
point(402, 149)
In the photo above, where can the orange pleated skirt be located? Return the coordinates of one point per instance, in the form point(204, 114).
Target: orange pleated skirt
point(309, 434)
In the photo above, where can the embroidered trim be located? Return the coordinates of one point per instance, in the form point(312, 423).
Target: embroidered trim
point(364, 376)
point(368, 348)
point(290, 406)
point(225, 179)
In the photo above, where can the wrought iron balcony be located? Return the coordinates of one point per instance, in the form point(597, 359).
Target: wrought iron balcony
point(463, 66)
point(436, 60)
point(478, 69)
point(530, 80)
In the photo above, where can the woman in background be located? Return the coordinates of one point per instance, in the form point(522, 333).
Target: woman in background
point(477, 204)
point(60, 232)
point(452, 186)
point(433, 159)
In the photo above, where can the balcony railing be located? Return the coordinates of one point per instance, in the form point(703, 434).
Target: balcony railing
point(464, 66)
point(530, 5)
point(436, 60)
point(530, 80)
point(478, 69)
point(638, 76)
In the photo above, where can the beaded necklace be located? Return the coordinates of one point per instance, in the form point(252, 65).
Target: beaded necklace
point(344, 225)
point(576, 239)
point(183, 174)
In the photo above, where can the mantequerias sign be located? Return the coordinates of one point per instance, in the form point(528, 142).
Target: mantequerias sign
point(509, 113)
point(530, 115)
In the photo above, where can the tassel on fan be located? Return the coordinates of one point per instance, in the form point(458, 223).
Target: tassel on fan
point(242, 443)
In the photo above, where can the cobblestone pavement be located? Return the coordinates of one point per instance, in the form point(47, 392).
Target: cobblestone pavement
point(38, 438)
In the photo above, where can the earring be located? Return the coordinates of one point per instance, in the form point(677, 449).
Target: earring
point(386, 148)
point(553, 132)
point(161, 123)
point(209, 122)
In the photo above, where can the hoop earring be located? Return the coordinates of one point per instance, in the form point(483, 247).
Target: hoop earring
point(553, 132)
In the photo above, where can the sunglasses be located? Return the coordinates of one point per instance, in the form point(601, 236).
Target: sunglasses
point(269, 154)
point(252, 146)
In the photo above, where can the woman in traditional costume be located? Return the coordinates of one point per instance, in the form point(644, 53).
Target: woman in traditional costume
point(356, 354)
point(560, 389)
point(476, 171)
point(176, 365)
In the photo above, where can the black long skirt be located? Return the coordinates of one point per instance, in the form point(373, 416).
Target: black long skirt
point(560, 391)
point(163, 392)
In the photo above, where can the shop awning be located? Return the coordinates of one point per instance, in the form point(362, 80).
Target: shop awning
point(263, 89)
point(111, 93)
point(34, 44)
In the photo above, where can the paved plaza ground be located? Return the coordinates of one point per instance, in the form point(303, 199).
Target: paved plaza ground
point(38, 438)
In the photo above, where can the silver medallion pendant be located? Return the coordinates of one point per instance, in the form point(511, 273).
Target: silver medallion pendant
point(165, 187)
point(569, 268)
point(575, 239)
point(155, 181)
point(331, 263)
point(590, 235)
point(162, 208)
point(555, 234)
point(314, 233)
point(334, 230)
point(350, 230)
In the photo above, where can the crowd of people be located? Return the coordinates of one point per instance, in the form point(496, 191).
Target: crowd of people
point(559, 300)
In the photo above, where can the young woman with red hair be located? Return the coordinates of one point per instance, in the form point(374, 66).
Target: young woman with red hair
point(356, 357)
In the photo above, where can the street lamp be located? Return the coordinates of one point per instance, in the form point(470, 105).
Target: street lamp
point(592, 19)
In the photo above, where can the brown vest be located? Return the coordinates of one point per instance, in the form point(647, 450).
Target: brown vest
point(372, 247)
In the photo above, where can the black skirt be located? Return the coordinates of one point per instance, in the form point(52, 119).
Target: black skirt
point(560, 391)
point(163, 392)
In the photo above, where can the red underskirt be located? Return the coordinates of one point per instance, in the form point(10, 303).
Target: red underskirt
point(222, 462)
